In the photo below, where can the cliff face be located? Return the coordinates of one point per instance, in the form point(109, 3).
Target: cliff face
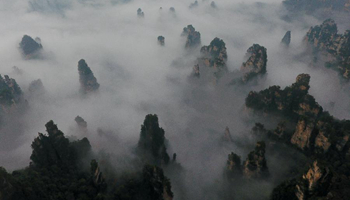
point(331, 47)
point(88, 82)
point(255, 64)
point(193, 37)
point(30, 47)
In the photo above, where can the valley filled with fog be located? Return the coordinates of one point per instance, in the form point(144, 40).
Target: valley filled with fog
point(137, 76)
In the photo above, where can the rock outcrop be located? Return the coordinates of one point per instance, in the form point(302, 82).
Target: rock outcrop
point(193, 37)
point(161, 40)
point(30, 48)
point(286, 38)
point(255, 64)
point(151, 146)
point(88, 82)
point(330, 47)
point(255, 165)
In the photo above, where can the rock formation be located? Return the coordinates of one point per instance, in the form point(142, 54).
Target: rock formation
point(196, 72)
point(59, 171)
point(36, 88)
point(194, 4)
point(255, 64)
point(55, 148)
point(293, 101)
point(151, 146)
point(140, 13)
point(330, 47)
point(158, 184)
point(304, 134)
point(193, 36)
point(317, 134)
point(316, 180)
point(286, 38)
point(10, 93)
point(227, 135)
point(9, 187)
point(234, 167)
point(213, 56)
point(255, 165)
point(161, 40)
point(88, 82)
point(80, 121)
point(96, 174)
point(30, 47)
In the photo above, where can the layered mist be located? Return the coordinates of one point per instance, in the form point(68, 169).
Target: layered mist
point(137, 76)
